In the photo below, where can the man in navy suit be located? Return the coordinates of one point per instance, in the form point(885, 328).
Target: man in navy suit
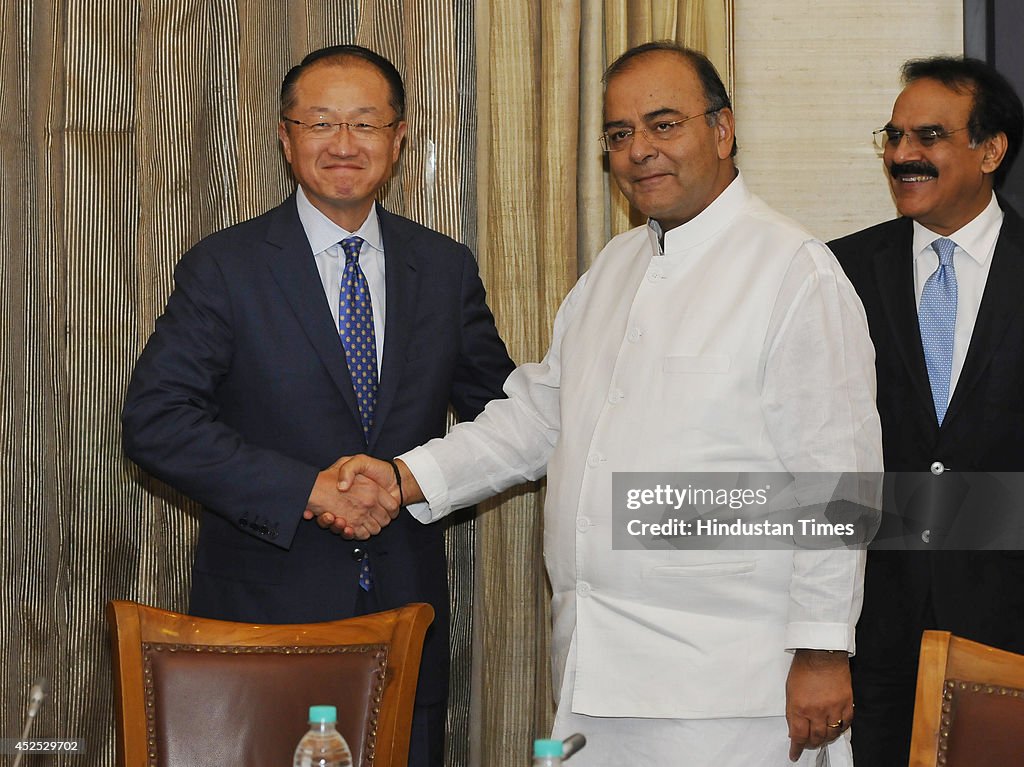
point(942, 287)
point(325, 327)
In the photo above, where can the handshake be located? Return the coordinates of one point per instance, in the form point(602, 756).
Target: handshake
point(358, 496)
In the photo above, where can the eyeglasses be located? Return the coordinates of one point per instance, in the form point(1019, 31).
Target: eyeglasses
point(890, 138)
point(618, 139)
point(323, 130)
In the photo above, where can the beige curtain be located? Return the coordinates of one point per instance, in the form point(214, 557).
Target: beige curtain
point(133, 129)
point(546, 206)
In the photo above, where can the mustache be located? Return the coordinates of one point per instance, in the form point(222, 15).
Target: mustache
point(913, 168)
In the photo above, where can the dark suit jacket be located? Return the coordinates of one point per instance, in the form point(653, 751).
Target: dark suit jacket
point(242, 395)
point(975, 594)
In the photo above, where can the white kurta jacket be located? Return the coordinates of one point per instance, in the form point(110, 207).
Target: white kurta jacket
point(741, 347)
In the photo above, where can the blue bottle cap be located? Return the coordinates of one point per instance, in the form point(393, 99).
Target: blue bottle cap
point(547, 747)
point(323, 714)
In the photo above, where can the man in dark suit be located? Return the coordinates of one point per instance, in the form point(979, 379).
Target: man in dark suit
point(943, 288)
point(325, 327)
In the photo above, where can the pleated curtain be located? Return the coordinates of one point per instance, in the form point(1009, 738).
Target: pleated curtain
point(545, 208)
point(129, 131)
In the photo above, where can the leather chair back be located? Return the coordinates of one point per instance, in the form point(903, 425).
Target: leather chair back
point(969, 709)
point(197, 692)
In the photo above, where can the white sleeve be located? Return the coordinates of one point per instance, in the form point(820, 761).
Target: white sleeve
point(818, 398)
point(508, 443)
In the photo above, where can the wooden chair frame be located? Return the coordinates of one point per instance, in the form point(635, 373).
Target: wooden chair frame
point(947, 657)
point(134, 624)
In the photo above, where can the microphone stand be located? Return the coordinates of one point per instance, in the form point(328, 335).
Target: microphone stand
point(35, 702)
point(572, 744)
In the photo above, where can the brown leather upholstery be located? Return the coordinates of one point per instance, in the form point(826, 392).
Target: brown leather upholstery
point(969, 710)
point(197, 692)
point(986, 725)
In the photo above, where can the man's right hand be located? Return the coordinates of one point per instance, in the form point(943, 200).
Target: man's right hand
point(352, 471)
point(383, 473)
point(361, 510)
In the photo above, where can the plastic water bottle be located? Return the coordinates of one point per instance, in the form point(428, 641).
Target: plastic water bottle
point(547, 753)
point(323, 745)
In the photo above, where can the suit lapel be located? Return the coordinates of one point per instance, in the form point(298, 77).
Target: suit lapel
point(894, 269)
point(290, 261)
point(401, 287)
point(999, 304)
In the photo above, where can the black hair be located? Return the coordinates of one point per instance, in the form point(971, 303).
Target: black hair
point(340, 54)
point(996, 107)
point(715, 94)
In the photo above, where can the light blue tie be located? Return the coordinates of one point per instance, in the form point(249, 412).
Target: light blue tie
point(936, 317)
point(355, 324)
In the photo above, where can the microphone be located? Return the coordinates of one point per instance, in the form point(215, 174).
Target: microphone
point(572, 744)
point(35, 701)
point(35, 697)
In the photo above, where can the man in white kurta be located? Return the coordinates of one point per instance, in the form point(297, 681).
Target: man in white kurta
point(719, 337)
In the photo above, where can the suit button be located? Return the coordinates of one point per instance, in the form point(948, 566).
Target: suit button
point(358, 554)
point(937, 468)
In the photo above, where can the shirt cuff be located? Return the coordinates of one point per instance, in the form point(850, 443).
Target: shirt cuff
point(820, 636)
point(430, 478)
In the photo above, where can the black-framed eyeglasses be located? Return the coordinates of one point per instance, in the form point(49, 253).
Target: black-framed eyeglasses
point(617, 139)
point(360, 130)
point(890, 138)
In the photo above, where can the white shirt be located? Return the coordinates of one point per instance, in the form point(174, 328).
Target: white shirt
point(972, 259)
point(741, 347)
point(324, 238)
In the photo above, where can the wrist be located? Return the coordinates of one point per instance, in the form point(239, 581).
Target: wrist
point(398, 480)
point(410, 487)
point(815, 657)
point(317, 494)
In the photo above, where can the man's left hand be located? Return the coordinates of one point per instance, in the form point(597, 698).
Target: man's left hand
point(819, 699)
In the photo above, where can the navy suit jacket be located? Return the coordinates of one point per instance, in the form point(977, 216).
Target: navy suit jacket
point(242, 395)
point(976, 594)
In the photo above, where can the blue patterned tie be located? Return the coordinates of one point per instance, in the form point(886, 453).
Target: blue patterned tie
point(365, 573)
point(355, 323)
point(936, 317)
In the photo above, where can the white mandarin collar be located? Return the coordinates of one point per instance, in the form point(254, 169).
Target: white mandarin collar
point(705, 225)
point(322, 233)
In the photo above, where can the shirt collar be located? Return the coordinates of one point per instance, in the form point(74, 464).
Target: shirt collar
point(322, 233)
point(704, 225)
point(977, 238)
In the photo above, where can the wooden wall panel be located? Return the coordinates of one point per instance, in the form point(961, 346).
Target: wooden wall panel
point(813, 79)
